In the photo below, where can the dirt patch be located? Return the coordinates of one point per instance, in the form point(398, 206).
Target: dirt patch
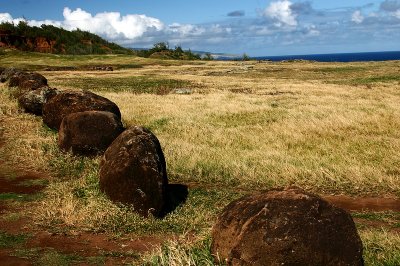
point(15, 227)
point(20, 185)
point(8, 260)
point(86, 244)
point(364, 203)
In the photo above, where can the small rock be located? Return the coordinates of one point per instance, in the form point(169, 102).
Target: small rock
point(88, 133)
point(7, 73)
point(33, 101)
point(183, 91)
point(27, 81)
point(68, 102)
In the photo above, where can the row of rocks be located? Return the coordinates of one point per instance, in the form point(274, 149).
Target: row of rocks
point(277, 227)
point(132, 169)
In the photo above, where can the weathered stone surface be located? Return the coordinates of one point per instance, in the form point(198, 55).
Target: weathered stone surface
point(27, 80)
point(286, 227)
point(33, 101)
point(133, 171)
point(68, 102)
point(88, 133)
point(8, 72)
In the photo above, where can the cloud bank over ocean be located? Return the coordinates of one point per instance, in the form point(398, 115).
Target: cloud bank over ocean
point(280, 24)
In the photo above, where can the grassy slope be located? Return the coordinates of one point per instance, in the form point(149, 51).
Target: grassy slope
point(327, 127)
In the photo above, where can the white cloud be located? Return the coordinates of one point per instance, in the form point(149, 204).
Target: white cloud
point(390, 5)
point(185, 29)
point(312, 31)
point(110, 24)
point(357, 17)
point(289, 22)
point(6, 17)
point(282, 13)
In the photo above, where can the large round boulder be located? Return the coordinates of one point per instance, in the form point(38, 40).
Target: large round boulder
point(68, 102)
point(133, 172)
point(285, 227)
point(88, 133)
point(32, 101)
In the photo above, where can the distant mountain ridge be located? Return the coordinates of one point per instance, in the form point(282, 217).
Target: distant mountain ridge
point(51, 39)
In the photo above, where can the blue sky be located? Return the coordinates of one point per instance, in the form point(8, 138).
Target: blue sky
point(255, 27)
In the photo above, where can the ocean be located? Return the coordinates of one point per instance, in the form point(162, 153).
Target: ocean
point(345, 57)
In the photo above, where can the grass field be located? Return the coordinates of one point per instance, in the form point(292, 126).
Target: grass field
point(239, 127)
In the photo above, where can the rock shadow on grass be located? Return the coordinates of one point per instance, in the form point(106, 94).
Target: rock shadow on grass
point(176, 196)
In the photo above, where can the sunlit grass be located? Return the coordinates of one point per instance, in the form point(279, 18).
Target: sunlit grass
point(327, 127)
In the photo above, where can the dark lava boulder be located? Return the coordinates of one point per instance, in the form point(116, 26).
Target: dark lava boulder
point(7, 73)
point(286, 227)
point(68, 102)
point(133, 171)
point(88, 133)
point(32, 101)
point(27, 80)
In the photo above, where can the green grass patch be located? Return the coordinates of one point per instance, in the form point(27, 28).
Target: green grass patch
point(11, 217)
point(34, 182)
point(10, 241)
point(127, 66)
point(367, 80)
point(24, 253)
point(378, 216)
point(158, 124)
point(53, 257)
point(196, 215)
point(59, 259)
point(375, 79)
point(135, 84)
point(20, 197)
point(93, 211)
point(381, 248)
point(339, 70)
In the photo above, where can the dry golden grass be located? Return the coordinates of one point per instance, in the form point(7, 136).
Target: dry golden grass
point(327, 127)
point(327, 138)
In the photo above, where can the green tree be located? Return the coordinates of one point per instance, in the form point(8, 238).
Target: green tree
point(161, 46)
point(245, 57)
point(208, 57)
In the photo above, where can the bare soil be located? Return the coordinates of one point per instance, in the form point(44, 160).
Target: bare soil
point(364, 203)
